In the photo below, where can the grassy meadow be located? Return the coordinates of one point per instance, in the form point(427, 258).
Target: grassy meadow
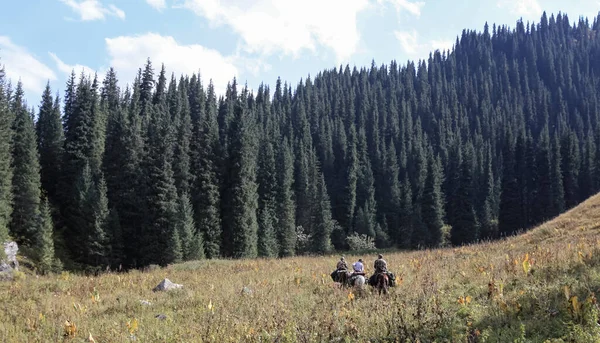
point(536, 287)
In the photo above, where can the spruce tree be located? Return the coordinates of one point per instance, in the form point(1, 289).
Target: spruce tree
point(26, 186)
point(181, 158)
point(6, 171)
point(508, 219)
point(187, 228)
point(115, 233)
point(285, 202)
point(207, 196)
point(50, 138)
point(240, 199)
point(570, 168)
point(44, 240)
point(556, 174)
point(160, 241)
point(433, 207)
point(466, 227)
point(323, 226)
point(267, 192)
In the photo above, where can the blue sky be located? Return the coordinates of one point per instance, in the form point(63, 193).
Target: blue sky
point(253, 40)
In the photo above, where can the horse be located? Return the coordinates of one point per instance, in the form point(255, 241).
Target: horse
point(359, 281)
point(382, 282)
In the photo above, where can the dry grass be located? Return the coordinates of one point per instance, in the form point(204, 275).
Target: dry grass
point(535, 287)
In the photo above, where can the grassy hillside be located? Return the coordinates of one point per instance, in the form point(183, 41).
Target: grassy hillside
point(535, 287)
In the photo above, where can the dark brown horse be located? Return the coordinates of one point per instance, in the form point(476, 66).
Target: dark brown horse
point(382, 283)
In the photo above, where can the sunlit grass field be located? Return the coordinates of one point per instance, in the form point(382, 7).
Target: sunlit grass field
point(536, 287)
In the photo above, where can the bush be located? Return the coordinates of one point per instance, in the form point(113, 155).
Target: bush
point(362, 242)
point(446, 230)
point(302, 240)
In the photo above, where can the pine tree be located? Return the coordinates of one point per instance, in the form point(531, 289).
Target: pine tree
point(508, 219)
point(542, 206)
point(44, 240)
point(391, 197)
point(285, 209)
point(97, 238)
point(556, 174)
point(267, 191)
point(6, 172)
point(161, 242)
point(570, 168)
point(50, 138)
point(466, 227)
point(187, 228)
point(207, 196)
point(26, 185)
point(181, 166)
point(323, 226)
point(240, 199)
point(433, 206)
point(115, 232)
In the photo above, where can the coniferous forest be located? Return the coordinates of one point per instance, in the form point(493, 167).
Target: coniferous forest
point(495, 136)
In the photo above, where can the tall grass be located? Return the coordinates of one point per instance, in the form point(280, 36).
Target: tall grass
point(536, 287)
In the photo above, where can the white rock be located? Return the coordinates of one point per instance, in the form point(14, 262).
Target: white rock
point(166, 285)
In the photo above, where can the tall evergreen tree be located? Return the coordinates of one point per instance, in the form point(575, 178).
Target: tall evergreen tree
point(26, 186)
point(323, 226)
point(207, 196)
point(6, 172)
point(433, 205)
point(285, 209)
point(240, 200)
point(466, 227)
point(44, 240)
point(267, 192)
point(50, 138)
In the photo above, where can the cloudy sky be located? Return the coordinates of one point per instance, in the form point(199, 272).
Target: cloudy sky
point(253, 40)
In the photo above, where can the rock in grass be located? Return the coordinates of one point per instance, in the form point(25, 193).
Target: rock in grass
point(10, 263)
point(166, 285)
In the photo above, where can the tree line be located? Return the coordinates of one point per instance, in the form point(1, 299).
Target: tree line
point(495, 136)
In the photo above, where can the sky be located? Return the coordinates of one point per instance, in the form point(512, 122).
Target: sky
point(255, 41)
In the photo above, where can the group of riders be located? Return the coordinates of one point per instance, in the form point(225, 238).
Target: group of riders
point(345, 276)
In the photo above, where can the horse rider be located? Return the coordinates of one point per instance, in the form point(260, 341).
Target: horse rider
point(341, 271)
point(358, 268)
point(380, 266)
point(341, 265)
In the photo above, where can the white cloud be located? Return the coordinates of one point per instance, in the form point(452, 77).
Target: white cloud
point(524, 8)
point(89, 10)
point(77, 68)
point(129, 53)
point(287, 27)
point(157, 4)
point(442, 45)
point(20, 64)
point(413, 7)
point(409, 40)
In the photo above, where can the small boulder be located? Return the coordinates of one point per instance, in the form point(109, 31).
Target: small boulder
point(166, 285)
point(11, 249)
point(10, 263)
point(160, 316)
point(246, 291)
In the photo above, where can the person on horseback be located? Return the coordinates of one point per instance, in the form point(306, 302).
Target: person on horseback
point(380, 266)
point(341, 271)
point(341, 265)
point(358, 268)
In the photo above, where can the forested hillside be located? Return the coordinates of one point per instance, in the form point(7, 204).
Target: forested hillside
point(495, 136)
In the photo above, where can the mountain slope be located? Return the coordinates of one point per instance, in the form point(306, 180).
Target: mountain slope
point(535, 287)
